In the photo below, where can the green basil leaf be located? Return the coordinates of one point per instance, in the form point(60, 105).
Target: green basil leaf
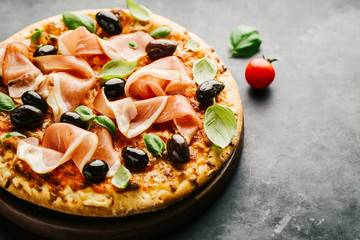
point(85, 113)
point(51, 36)
point(117, 68)
point(220, 124)
point(74, 20)
point(154, 144)
point(245, 41)
point(161, 32)
point(36, 35)
point(6, 103)
point(121, 177)
point(106, 122)
point(133, 45)
point(12, 134)
point(204, 70)
point(191, 45)
point(139, 12)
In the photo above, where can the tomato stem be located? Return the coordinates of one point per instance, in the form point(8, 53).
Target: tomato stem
point(270, 60)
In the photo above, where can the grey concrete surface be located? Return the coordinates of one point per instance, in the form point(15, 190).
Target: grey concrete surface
point(299, 174)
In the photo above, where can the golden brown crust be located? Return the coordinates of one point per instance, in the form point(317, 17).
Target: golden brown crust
point(124, 203)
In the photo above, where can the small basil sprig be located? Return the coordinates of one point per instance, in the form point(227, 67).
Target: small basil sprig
point(245, 41)
point(6, 103)
point(133, 45)
point(74, 20)
point(154, 144)
point(139, 12)
point(87, 114)
point(36, 35)
point(204, 70)
point(121, 177)
point(161, 32)
point(12, 134)
point(192, 45)
point(220, 124)
point(117, 68)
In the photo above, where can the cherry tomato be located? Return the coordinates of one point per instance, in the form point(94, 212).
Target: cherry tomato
point(260, 73)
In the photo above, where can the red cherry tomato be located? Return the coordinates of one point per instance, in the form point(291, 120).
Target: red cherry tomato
point(260, 73)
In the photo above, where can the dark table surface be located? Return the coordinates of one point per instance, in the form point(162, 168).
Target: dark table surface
point(299, 173)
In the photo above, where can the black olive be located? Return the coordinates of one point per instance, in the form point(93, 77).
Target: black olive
point(134, 157)
point(34, 99)
point(74, 119)
point(109, 22)
point(26, 117)
point(95, 170)
point(160, 48)
point(114, 87)
point(45, 50)
point(178, 149)
point(208, 90)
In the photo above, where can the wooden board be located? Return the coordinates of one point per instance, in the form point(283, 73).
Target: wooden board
point(56, 225)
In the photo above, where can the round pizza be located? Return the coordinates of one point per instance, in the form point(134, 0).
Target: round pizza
point(113, 112)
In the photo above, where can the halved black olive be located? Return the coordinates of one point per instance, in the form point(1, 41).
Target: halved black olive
point(178, 149)
point(26, 117)
point(114, 87)
point(45, 50)
point(160, 48)
point(134, 157)
point(95, 170)
point(74, 119)
point(34, 99)
point(208, 90)
point(109, 22)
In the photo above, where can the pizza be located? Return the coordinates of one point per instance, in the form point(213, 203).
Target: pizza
point(113, 114)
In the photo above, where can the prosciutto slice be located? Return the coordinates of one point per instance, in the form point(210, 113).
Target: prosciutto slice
point(71, 78)
point(17, 70)
point(159, 78)
point(80, 42)
point(63, 142)
point(133, 118)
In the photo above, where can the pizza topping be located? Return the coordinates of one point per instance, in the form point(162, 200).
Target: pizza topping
point(35, 36)
point(154, 144)
point(138, 11)
point(178, 149)
point(26, 117)
point(159, 78)
point(160, 48)
point(134, 157)
point(18, 72)
point(192, 45)
point(161, 32)
point(34, 99)
point(11, 134)
point(108, 22)
point(121, 177)
point(45, 50)
point(74, 119)
point(114, 88)
point(95, 170)
point(117, 69)
point(209, 90)
point(74, 20)
point(6, 103)
point(106, 122)
point(204, 70)
point(133, 45)
point(117, 47)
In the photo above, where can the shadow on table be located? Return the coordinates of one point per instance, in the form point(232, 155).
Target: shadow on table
point(259, 95)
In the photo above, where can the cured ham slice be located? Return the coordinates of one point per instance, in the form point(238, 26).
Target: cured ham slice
point(106, 152)
point(117, 47)
point(17, 70)
point(133, 118)
point(71, 77)
point(79, 42)
point(63, 142)
point(159, 78)
point(179, 109)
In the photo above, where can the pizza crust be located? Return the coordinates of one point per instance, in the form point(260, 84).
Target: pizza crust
point(113, 204)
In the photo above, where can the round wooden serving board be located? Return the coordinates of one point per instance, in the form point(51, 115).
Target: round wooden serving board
point(56, 225)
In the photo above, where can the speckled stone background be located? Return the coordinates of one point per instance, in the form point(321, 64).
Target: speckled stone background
point(299, 174)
